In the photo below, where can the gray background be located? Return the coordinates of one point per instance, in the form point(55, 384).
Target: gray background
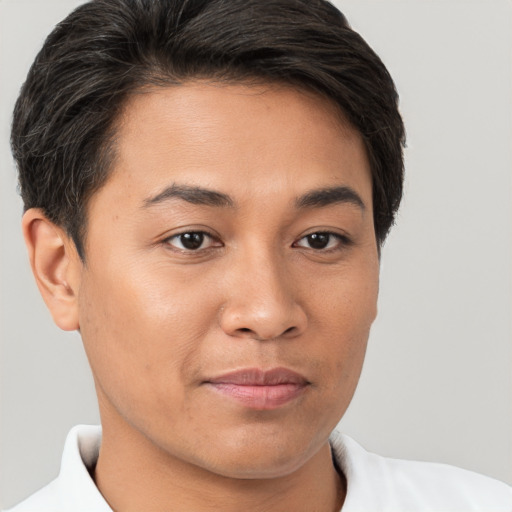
point(437, 380)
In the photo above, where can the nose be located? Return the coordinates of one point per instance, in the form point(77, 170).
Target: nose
point(262, 301)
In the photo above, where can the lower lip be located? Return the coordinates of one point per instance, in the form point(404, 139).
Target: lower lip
point(260, 397)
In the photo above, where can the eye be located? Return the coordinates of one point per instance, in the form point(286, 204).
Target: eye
point(191, 241)
point(322, 241)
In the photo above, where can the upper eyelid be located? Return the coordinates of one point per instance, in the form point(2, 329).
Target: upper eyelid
point(185, 231)
point(212, 235)
point(344, 240)
point(340, 236)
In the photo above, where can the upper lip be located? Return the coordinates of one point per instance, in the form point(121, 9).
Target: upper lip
point(257, 377)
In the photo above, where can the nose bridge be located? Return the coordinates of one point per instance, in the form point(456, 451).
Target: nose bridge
point(262, 301)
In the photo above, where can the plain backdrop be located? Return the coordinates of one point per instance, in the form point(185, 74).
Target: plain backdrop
point(437, 382)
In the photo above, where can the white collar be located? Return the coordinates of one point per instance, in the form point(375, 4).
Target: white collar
point(77, 490)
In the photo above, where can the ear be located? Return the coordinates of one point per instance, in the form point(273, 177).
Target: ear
point(56, 267)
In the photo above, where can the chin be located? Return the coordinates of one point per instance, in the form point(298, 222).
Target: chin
point(260, 457)
point(261, 469)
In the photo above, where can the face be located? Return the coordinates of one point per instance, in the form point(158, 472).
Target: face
point(231, 276)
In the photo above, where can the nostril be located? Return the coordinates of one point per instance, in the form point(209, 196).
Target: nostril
point(250, 332)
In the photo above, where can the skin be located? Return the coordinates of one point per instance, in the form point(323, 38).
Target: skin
point(159, 320)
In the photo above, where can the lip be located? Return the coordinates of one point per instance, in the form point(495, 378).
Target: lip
point(260, 389)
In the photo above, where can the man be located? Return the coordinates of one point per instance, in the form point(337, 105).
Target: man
point(207, 187)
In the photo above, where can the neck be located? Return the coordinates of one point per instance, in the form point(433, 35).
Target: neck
point(133, 474)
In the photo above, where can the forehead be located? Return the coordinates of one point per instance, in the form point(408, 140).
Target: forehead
point(235, 136)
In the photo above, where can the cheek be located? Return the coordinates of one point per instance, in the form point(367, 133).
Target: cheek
point(345, 311)
point(345, 298)
point(141, 332)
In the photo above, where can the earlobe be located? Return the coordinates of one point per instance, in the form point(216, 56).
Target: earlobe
point(55, 265)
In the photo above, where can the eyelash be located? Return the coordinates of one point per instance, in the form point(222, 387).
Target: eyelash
point(203, 234)
point(343, 241)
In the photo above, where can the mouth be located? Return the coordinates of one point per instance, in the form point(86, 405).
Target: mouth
point(258, 389)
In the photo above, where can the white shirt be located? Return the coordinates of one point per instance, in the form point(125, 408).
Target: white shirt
point(374, 483)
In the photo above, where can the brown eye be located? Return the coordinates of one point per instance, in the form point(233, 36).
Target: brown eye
point(318, 240)
point(191, 241)
point(322, 241)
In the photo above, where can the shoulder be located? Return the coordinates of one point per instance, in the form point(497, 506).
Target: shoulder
point(44, 500)
point(441, 486)
point(74, 489)
point(382, 483)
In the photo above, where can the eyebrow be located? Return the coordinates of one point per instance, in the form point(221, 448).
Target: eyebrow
point(191, 194)
point(202, 196)
point(328, 196)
